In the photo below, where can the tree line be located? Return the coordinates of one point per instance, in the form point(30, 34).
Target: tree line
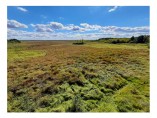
point(139, 39)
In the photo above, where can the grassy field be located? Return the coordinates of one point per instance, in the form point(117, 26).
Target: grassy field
point(57, 76)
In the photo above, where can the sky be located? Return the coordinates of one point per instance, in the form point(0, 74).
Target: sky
point(76, 22)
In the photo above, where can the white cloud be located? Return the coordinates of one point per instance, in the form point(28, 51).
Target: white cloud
point(69, 27)
point(22, 9)
point(42, 28)
point(56, 25)
point(125, 29)
point(113, 9)
point(76, 28)
point(26, 35)
point(52, 26)
point(15, 24)
point(73, 27)
point(89, 27)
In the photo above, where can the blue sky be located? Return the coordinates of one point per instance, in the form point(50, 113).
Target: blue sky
point(71, 22)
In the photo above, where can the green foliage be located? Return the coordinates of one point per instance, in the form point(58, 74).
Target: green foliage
point(77, 104)
point(106, 105)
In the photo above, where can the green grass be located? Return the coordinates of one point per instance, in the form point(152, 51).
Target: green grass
point(17, 52)
point(120, 46)
point(57, 76)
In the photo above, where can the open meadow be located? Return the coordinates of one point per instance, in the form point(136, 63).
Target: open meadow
point(58, 76)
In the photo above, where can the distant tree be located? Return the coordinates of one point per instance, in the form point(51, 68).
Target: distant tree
point(114, 41)
point(140, 39)
point(143, 39)
point(147, 38)
point(118, 41)
point(132, 39)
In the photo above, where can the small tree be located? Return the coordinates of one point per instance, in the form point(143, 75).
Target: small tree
point(132, 39)
point(140, 39)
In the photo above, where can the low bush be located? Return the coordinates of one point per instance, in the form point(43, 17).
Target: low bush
point(13, 41)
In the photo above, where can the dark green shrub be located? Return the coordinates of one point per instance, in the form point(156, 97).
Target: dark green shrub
point(14, 41)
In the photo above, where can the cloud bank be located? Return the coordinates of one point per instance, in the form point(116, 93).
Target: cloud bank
point(59, 31)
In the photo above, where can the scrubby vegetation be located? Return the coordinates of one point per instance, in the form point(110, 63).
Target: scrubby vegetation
point(57, 76)
point(79, 42)
point(139, 39)
point(114, 40)
point(13, 41)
